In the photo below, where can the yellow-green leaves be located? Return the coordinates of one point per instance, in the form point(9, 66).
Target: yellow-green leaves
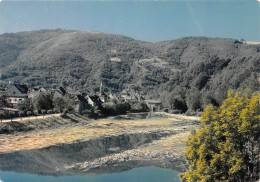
point(226, 148)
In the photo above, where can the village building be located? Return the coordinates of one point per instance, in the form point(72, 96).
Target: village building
point(112, 98)
point(33, 92)
point(131, 96)
point(60, 92)
point(154, 105)
point(16, 93)
point(102, 95)
point(73, 92)
point(81, 103)
point(93, 100)
point(3, 90)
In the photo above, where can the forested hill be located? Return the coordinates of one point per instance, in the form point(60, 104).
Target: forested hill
point(192, 71)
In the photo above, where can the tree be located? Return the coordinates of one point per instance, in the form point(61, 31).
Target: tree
point(63, 103)
point(1, 116)
point(226, 148)
point(3, 100)
point(25, 105)
point(43, 101)
point(29, 113)
point(193, 99)
point(178, 103)
point(11, 114)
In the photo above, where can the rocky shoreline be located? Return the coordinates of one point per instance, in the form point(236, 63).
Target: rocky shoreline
point(99, 146)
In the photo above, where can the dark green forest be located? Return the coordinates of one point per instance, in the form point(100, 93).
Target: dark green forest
point(186, 74)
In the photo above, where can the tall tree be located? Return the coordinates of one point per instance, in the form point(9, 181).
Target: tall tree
point(43, 101)
point(63, 103)
point(227, 146)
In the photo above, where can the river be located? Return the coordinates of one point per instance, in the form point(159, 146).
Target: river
point(144, 174)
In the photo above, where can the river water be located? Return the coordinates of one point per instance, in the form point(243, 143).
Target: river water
point(144, 174)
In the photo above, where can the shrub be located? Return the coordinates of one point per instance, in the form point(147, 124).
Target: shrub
point(176, 111)
point(49, 112)
point(43, 111)
point(29, 113)
point(21, 113)
point(190, 113)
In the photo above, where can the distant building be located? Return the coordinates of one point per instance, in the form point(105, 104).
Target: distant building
point(2, 90)
point(131, 96)
point(102, 95)
point(16, 93)
point(112, 98)
point(73, 92)
point(81, 103)
point(93, 100)
point(154, 105)
point(35, 91)
point(60, 92)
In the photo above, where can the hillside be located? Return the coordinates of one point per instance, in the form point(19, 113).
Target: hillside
point(189, 72)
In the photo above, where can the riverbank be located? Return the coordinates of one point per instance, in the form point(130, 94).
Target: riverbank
point(80, 146)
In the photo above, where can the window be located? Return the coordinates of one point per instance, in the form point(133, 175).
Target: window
point(13, 92)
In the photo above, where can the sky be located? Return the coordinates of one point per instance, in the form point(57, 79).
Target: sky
point(148, 21)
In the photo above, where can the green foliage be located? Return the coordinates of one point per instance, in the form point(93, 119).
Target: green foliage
point(63, 103)
point(193, 99)
point(138, 107)
point(122, 107)
point(29, 113)
point(178, 103)
point(11, 115)
point(59, 104)
point(2, 115)
point(21, 113)
point(43, 111)
point(25, 105)
point(112, 109)
point(43, 101)
point(92, 113)
point(35, 112)
point(3, 100)
point(171, 68)
point(226, 148)
point(49, 112)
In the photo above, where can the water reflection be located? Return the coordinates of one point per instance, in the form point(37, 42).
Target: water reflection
point(46, 163)
point(54, 160)
point(145, 174)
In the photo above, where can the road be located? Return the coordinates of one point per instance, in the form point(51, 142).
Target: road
point(30, 118)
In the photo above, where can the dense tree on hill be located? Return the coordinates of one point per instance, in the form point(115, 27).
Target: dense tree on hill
point(81, 60)
point(227, 146)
